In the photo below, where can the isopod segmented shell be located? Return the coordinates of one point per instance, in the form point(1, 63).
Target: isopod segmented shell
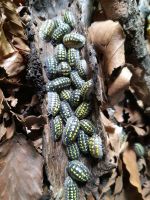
point(71, 189)
point(74, 40)
point(73, 56)
point(86, 88)
point(65, 95)
point(82, 110)
point(51, 66)
point(139, 149)
point(82, 141)
point(57, 127)
point(46, 30)
point(87, 126)
point(71, 130)
point(75, 98)
point(82, 68)
point(76, 79)
point(60, 31)
point(69, 18)
point(58, 21)
point(64, 69)
point(53, 103)
point(61, 53)
point(58, 84)
point(78, 171)
point(95, 146)
point(65, 110)
point(73, 151)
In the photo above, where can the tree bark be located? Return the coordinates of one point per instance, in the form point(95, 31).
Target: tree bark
point(127, 13)
point(53, 152)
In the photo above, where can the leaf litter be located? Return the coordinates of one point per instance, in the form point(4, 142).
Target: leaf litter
point(127, 98)
point(21, 121)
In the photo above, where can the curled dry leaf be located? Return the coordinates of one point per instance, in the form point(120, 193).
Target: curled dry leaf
point(109, 125)
point(6, 131)
point(5, 47)
point(20, 45)
point(13, 101)
point(13, 64)
point(135, 117)
point(129, 159)
point(13, 24)
point(34, 122)
point(1, 101)
point(110, 182)
point(20, 170)
point(114, 133)
point(139, 131)
point(146, 190)
point(119, 113)
point(109, 39)
point(117, 88)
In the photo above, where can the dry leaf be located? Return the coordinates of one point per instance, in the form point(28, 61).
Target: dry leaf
point(135, 117)
point(118, 185)
point(109, 126)
point(21, 171)
point(121, 196)
point(129, 159)
point(13, 24)
point(5, 47)
point(139, 131)
point(20, 45)
point(111, 181)
point(117, 88)
point(3, 130)
point(1, 101)
point(13, 64)
point(114, 133)
point(34, 122)
point(109, 38)
point(13, 101)
point(146, 190)
point(119, 113)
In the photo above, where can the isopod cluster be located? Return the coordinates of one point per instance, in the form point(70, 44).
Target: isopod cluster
point(69, 104)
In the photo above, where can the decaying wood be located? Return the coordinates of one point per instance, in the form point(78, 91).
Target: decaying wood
point(127, 13)
point(54, 153)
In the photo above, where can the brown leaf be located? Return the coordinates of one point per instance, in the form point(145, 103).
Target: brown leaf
point(139, 131)
point(129, 159)
point(111, 181)
point(109, 126)
point(3, 130)
point(117, 88)
point(146, 190)
point(20, 170)
point(34, 122)
point(13, 101)
point(121, 196)
point(13, 25)
point(114, 133)
point(1, 101)
point(13, 64)
point(109, 38)
point(5, 47)
point(118, 185)
point(135, 117)
point(119, 113)
point(20, 45)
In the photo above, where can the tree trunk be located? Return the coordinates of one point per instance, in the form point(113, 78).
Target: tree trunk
point(53, 152)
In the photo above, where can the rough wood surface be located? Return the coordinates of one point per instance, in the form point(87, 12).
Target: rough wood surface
point(54, 153)
point(127, 13)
